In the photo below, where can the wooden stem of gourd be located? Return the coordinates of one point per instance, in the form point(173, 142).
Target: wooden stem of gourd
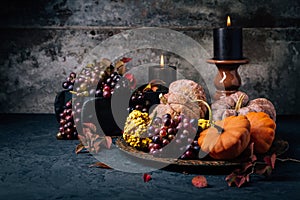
point(239, 102)
point(220, 129)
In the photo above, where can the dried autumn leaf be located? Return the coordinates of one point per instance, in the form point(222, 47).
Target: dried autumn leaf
point(273, 160)
point(126, 60)
point(79, 148)
point(230, 179)
point(93, 141)
point(95, 148)
point(100, 165)
point(91, 126)
point(237, 179)
point(108, 142)
point(147, 177)
point(131, 80)
point(264, 170)
point(240, 180)
point(199, 181)
point(270, 160)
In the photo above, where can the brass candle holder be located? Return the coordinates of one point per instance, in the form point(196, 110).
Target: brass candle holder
point(227, 80)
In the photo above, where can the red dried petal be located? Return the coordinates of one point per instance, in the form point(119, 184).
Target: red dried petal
point(147, 177)
point(253, 158)
point(131, 79)
point(199, 181)
point(126, 60)
point(108, 142)
point(270, 160)
point(273, 159)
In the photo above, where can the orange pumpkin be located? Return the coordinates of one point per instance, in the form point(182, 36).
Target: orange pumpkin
point(231, 142)
point(262, 131)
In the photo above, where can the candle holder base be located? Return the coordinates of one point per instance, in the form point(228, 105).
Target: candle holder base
point(227, 80)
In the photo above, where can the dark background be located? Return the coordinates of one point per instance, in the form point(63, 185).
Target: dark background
point(43, 41)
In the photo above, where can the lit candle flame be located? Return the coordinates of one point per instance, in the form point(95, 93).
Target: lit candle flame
point(228, 21)
point(162, 63)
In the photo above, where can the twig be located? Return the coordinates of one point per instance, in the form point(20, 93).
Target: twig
point(288, 159)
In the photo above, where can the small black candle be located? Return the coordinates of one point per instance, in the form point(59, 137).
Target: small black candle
point(228, 43)
point(163, 72)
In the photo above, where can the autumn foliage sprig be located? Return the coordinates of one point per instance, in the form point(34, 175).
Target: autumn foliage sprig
point(242, 175)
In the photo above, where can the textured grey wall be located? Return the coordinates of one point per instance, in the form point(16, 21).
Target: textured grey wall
point(42, 41)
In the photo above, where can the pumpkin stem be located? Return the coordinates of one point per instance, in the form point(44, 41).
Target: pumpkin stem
point(209, 109)
point(220, 129)
point(73, 92)
point(239, 102)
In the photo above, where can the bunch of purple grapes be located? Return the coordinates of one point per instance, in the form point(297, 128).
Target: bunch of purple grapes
point(143, 98)
point(69, 83)
point(138, 102)
point(106, 85)
point(181, 131)
point(94, 82)
point(67, 127)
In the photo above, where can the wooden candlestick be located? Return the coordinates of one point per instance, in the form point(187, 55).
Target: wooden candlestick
point(227, 80)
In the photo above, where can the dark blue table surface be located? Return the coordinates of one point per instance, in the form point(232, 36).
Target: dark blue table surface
point(34, 165)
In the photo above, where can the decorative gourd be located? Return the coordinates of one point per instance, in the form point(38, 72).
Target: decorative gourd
point(227, 106)
point(225, 139)
point(182, 99)
point(262, 131)
point(238, 104)
point(259, 105)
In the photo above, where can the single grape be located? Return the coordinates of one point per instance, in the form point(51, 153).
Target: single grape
point(106, 94)
point(156, 139)
point(167, 116)
point(72, 75)
point(167, 121)
point(165, 142)
point(65, 85)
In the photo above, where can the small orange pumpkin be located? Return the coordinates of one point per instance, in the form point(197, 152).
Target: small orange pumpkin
point(231, 142)
point(262, 131)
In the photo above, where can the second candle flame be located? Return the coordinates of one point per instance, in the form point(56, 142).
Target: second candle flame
point(162, 63)
point(228, 21)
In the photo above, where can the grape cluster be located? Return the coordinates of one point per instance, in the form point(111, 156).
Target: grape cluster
point(146, 96)
point(107, 83)
point(138, 102)
point(94, 81)
point(69, 83)
point(180, 130)
point(67, 127)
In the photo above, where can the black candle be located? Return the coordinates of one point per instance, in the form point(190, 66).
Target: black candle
point(163, 72)
point(228, 43)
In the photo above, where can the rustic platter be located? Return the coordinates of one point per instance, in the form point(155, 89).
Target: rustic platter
point(278, 147)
